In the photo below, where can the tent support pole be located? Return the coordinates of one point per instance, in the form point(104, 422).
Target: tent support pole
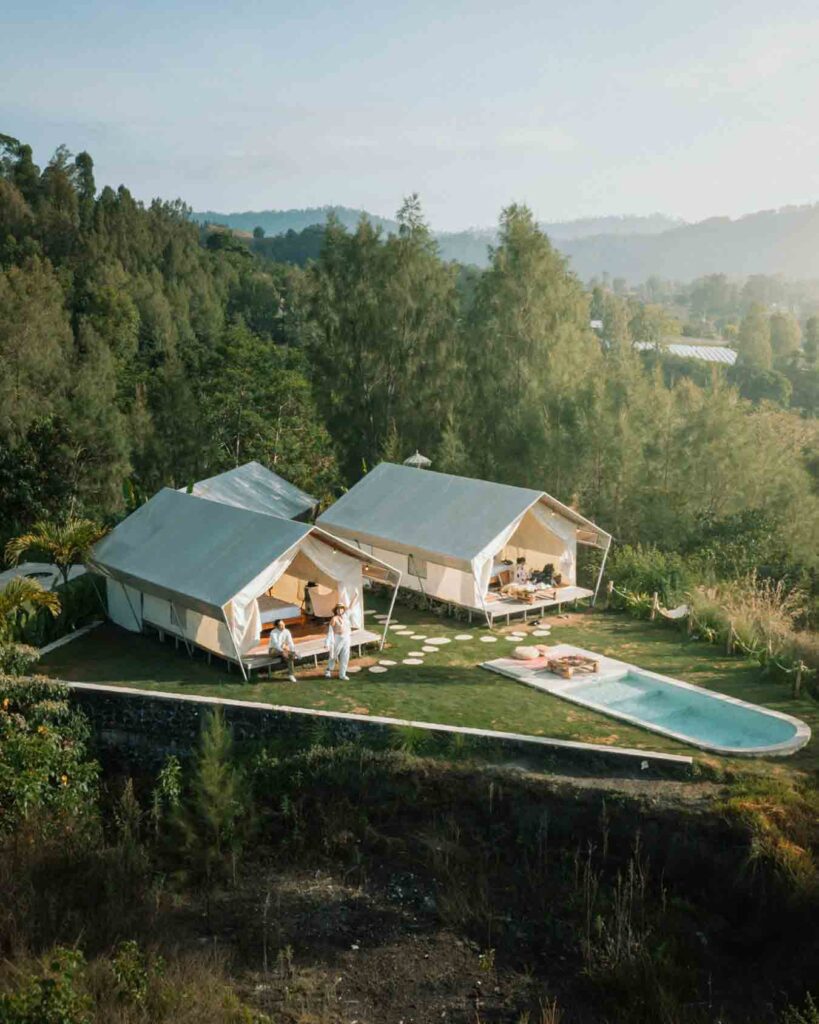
point(389, 613)
point(188, 647)
point(600, 574)
point(483, 603)
point(93, 576)
point(235, 647)
point(128, 599)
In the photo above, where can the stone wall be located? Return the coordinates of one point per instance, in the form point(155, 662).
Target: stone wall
point(147, 727)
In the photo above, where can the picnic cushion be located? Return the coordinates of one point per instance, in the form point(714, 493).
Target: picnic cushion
point(526, 653)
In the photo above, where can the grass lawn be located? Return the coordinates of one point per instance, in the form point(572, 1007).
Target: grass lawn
point(450, 687)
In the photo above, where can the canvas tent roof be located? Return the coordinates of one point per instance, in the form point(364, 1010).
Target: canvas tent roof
point(200, 553)
point(258, 489)
point(419, 510)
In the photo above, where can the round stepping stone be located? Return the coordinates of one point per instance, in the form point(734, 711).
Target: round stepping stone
point(520, 636)
point(387, 662)
point(419, 636)
point(489, 639)
point(464, 636)
point(413, 661)
point(352, 669)
point(369, 611)
point(404, 632)
point(377, 669)
point(396, 625)
point(513, 639)
point(541, 632)
point(420, 654)
point(438, 640)
point(429, 650)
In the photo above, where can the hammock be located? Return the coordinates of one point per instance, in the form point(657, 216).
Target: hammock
point(680, 612)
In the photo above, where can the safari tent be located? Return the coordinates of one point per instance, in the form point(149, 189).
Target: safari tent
point(456, 539)
point(257, 488)
point(216, 577)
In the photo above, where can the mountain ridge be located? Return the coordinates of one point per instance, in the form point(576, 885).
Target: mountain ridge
point(779, 241)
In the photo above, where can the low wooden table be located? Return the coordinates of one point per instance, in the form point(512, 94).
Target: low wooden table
point(571, 663)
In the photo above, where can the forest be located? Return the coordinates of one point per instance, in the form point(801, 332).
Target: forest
point(135, 353)
point(322, 878)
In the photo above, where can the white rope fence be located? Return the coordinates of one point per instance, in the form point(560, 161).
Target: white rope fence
point(763, 654)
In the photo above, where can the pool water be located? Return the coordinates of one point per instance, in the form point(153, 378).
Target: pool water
point(702, 717)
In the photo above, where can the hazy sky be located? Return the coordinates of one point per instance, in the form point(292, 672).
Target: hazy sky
point(582, 108)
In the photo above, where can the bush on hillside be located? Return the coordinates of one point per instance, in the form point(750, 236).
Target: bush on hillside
point(646, 569)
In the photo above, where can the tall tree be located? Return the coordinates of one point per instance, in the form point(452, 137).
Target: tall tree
point(529, 345)
point(754, 341)
point(383, 348)
point(785, 335)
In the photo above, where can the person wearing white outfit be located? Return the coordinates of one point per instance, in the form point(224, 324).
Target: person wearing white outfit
point(281, 644)
point(338, 642)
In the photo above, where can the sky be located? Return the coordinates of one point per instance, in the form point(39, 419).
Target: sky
point(579, 109)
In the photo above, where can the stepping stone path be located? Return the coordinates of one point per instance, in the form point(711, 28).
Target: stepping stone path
point(420, 654)
point(413, 661)
point(377, 668)
point(352, 669)
point(419, 636)
point(489, 639)
point(464, 636)
point(541, 632)
point(438, 640)
point(404, 632)
point(396, 625)
point(387, 662)
point(429, 650)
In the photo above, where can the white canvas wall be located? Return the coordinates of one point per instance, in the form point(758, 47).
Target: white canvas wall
point(119, 610)
point(442, 581)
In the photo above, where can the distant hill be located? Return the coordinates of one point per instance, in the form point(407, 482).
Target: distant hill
point(782, 241)
point(277, 222)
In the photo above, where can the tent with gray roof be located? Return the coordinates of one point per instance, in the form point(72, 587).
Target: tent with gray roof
point(210, 572)
point(257, 488)
point(449, 535)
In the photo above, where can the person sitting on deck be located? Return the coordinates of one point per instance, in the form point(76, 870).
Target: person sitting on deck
point(338, 642)
point(281, 643)
point(521, 572)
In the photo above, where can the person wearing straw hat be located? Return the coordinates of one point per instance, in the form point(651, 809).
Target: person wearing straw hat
point(338, 642)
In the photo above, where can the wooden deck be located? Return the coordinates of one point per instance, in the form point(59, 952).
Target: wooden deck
point(508, 608)
point(313, 647)
point(257, 659)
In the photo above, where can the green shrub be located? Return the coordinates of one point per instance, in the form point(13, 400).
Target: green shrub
point(808, 1014)
point(50, 995)
point(46, 775)
point(79, 605)
point(645, 569)
point(17, 659)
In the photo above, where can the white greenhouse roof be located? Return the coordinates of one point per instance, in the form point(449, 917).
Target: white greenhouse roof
point(706, 353)
point(422, 510)
point(256, 488)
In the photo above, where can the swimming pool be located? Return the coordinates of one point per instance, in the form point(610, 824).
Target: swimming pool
point(669, 706)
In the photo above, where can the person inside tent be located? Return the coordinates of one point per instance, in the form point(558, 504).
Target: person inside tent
point(281, 643)
point(521, 572)
point(338, 642)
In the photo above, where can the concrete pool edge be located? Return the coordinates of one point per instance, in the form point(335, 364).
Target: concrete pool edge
point(612, 668)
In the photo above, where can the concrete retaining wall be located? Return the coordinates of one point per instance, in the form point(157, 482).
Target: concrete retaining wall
point(150, 725)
